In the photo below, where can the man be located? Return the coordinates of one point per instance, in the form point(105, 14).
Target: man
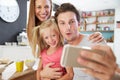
point(67, 18)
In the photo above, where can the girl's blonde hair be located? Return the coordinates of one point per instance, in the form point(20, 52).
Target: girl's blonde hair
point(38, 39)
point(33, 20)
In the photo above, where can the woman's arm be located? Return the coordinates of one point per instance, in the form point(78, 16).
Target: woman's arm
point(118, 70)
point(39, 70)
point(51, 73)
point(69, 75)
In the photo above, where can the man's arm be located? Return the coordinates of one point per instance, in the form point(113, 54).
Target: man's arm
point(102, 67)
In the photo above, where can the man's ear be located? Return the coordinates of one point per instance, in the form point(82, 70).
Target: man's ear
point(79, 24)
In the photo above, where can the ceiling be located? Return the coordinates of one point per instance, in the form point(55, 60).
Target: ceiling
point(90, 5)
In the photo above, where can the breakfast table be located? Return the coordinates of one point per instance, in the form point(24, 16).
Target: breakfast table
point(10, 73)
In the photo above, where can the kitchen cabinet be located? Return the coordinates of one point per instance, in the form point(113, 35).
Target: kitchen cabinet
point(16, 52)
point(117, 45)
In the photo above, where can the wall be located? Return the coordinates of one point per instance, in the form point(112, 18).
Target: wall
point(117, 36)
point(9, 31)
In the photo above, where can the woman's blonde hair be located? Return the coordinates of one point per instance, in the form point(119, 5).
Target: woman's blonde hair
point(33, 20)
point(38, 39)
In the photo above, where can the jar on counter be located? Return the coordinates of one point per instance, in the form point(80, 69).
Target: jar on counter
point(106, 13)
point(93, 13)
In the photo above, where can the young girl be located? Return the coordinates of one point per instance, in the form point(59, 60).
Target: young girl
point(49, 41)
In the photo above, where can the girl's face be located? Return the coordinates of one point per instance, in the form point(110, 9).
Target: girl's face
point(51, 37)
point(42, 9)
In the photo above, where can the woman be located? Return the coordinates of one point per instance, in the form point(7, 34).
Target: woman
point(40, 10)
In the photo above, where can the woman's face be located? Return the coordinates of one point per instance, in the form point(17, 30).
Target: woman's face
point(42, 9)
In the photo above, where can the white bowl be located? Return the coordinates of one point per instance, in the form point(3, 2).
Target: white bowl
point(4, 60)
point(29, 63)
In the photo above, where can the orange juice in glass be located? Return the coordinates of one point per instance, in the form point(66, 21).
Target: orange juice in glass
point(19, 66)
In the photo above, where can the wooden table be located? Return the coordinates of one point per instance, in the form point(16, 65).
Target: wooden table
point(11, 74)
point(26, 75)
point(0, 76)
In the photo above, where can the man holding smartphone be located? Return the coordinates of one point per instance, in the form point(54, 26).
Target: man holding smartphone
point(67, 18)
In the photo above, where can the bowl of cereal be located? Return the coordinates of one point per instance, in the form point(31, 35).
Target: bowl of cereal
point(29, 63)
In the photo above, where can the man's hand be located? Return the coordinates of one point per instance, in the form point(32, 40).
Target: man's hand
point(96, 37)
point(100, 66)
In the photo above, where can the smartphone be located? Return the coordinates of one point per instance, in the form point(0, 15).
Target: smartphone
point(71, 53)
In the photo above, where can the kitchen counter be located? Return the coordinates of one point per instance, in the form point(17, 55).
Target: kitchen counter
point(28, 74)
point(16, 52)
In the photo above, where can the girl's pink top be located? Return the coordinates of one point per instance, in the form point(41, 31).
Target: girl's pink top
point(53, 58)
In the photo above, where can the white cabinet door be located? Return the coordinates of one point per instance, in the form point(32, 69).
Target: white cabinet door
point(17, 52)
point(117, 45)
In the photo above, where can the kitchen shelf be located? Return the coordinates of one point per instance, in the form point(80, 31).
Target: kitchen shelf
point(99, 16)
point(98, 21)
point(99, 31)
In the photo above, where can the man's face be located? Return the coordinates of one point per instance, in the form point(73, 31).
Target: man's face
point(68, 25)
